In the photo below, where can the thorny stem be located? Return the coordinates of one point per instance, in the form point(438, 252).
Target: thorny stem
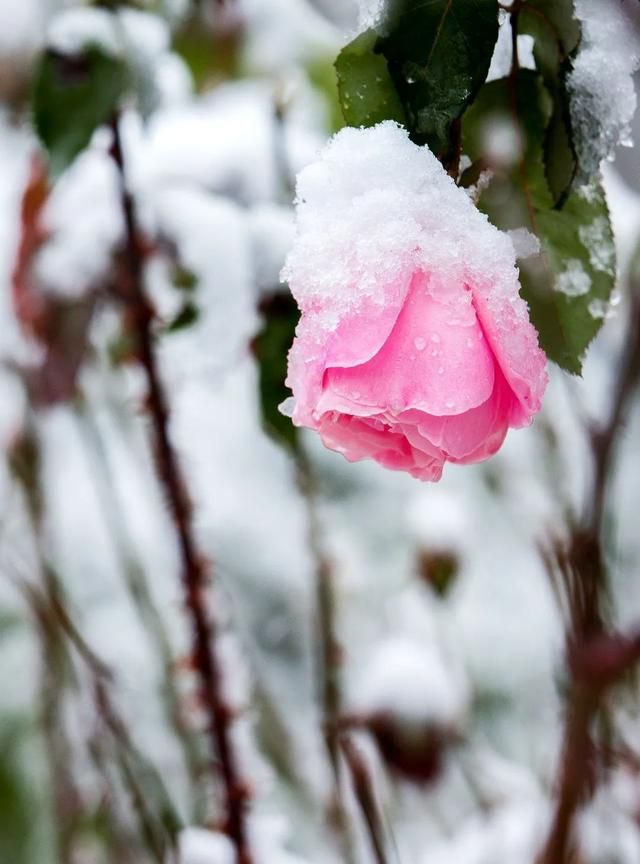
point(195, 570)
point(329, 653)
point(587, 694)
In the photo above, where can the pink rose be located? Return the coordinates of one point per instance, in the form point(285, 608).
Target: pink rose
point(414, 347)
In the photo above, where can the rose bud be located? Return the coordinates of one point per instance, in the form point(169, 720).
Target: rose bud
point(414, 347)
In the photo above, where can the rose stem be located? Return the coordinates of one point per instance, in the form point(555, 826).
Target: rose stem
point(195, 570)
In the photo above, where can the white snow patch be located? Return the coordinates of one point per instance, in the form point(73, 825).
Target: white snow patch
point(84, 219)
point(199, 846)
point(524, 242)
point(73, 30)
point(374, 210)
point(409, 680)
point(596, 238)
point(574, 281)
point(438, 520)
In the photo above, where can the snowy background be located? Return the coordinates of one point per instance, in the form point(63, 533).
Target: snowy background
point(479, 665)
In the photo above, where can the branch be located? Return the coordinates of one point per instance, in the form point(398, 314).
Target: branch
point(195, 569)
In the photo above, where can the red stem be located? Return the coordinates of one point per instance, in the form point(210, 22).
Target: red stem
point(195, 570)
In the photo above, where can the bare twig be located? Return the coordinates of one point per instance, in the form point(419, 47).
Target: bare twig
point(195, 570)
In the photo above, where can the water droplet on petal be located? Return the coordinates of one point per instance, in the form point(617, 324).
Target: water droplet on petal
point(440, 370)
point(435, 338)
point(420, 343)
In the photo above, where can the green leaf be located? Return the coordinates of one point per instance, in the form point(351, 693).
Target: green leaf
point(184, 279)
point(438, 53)
point(365, 89)
point(18, 803)
point(556, 34)
point(271, 347)
point(186, 317)
point(569, 284)
point(72, 97)
point(211, 54)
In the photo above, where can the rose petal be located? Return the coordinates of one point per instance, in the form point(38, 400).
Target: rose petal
point(435, 360)
point(514, 342)
point(468, 437)
point(357, 438)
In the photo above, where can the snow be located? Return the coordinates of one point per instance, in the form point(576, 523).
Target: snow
point(438, 520)
point(271, 230)
point(78, 254)
point(410, 682)
point(21, 26)
point(363, 225)
point(524, 242)
point(503, 51)
point(487, 656)
point(603, 97)
point(574, 281)
point(198, 846)
point(74, 29)
point(596, 238)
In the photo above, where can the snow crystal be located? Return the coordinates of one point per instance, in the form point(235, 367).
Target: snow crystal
point(601, 84)
point(574, 281)
point(596, 238)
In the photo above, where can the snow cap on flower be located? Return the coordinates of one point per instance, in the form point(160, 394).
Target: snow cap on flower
point(414, 346)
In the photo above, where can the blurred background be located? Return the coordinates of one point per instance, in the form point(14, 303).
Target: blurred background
point(431, 618)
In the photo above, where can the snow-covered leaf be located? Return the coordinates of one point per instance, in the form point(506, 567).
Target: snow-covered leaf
point(569, 284)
